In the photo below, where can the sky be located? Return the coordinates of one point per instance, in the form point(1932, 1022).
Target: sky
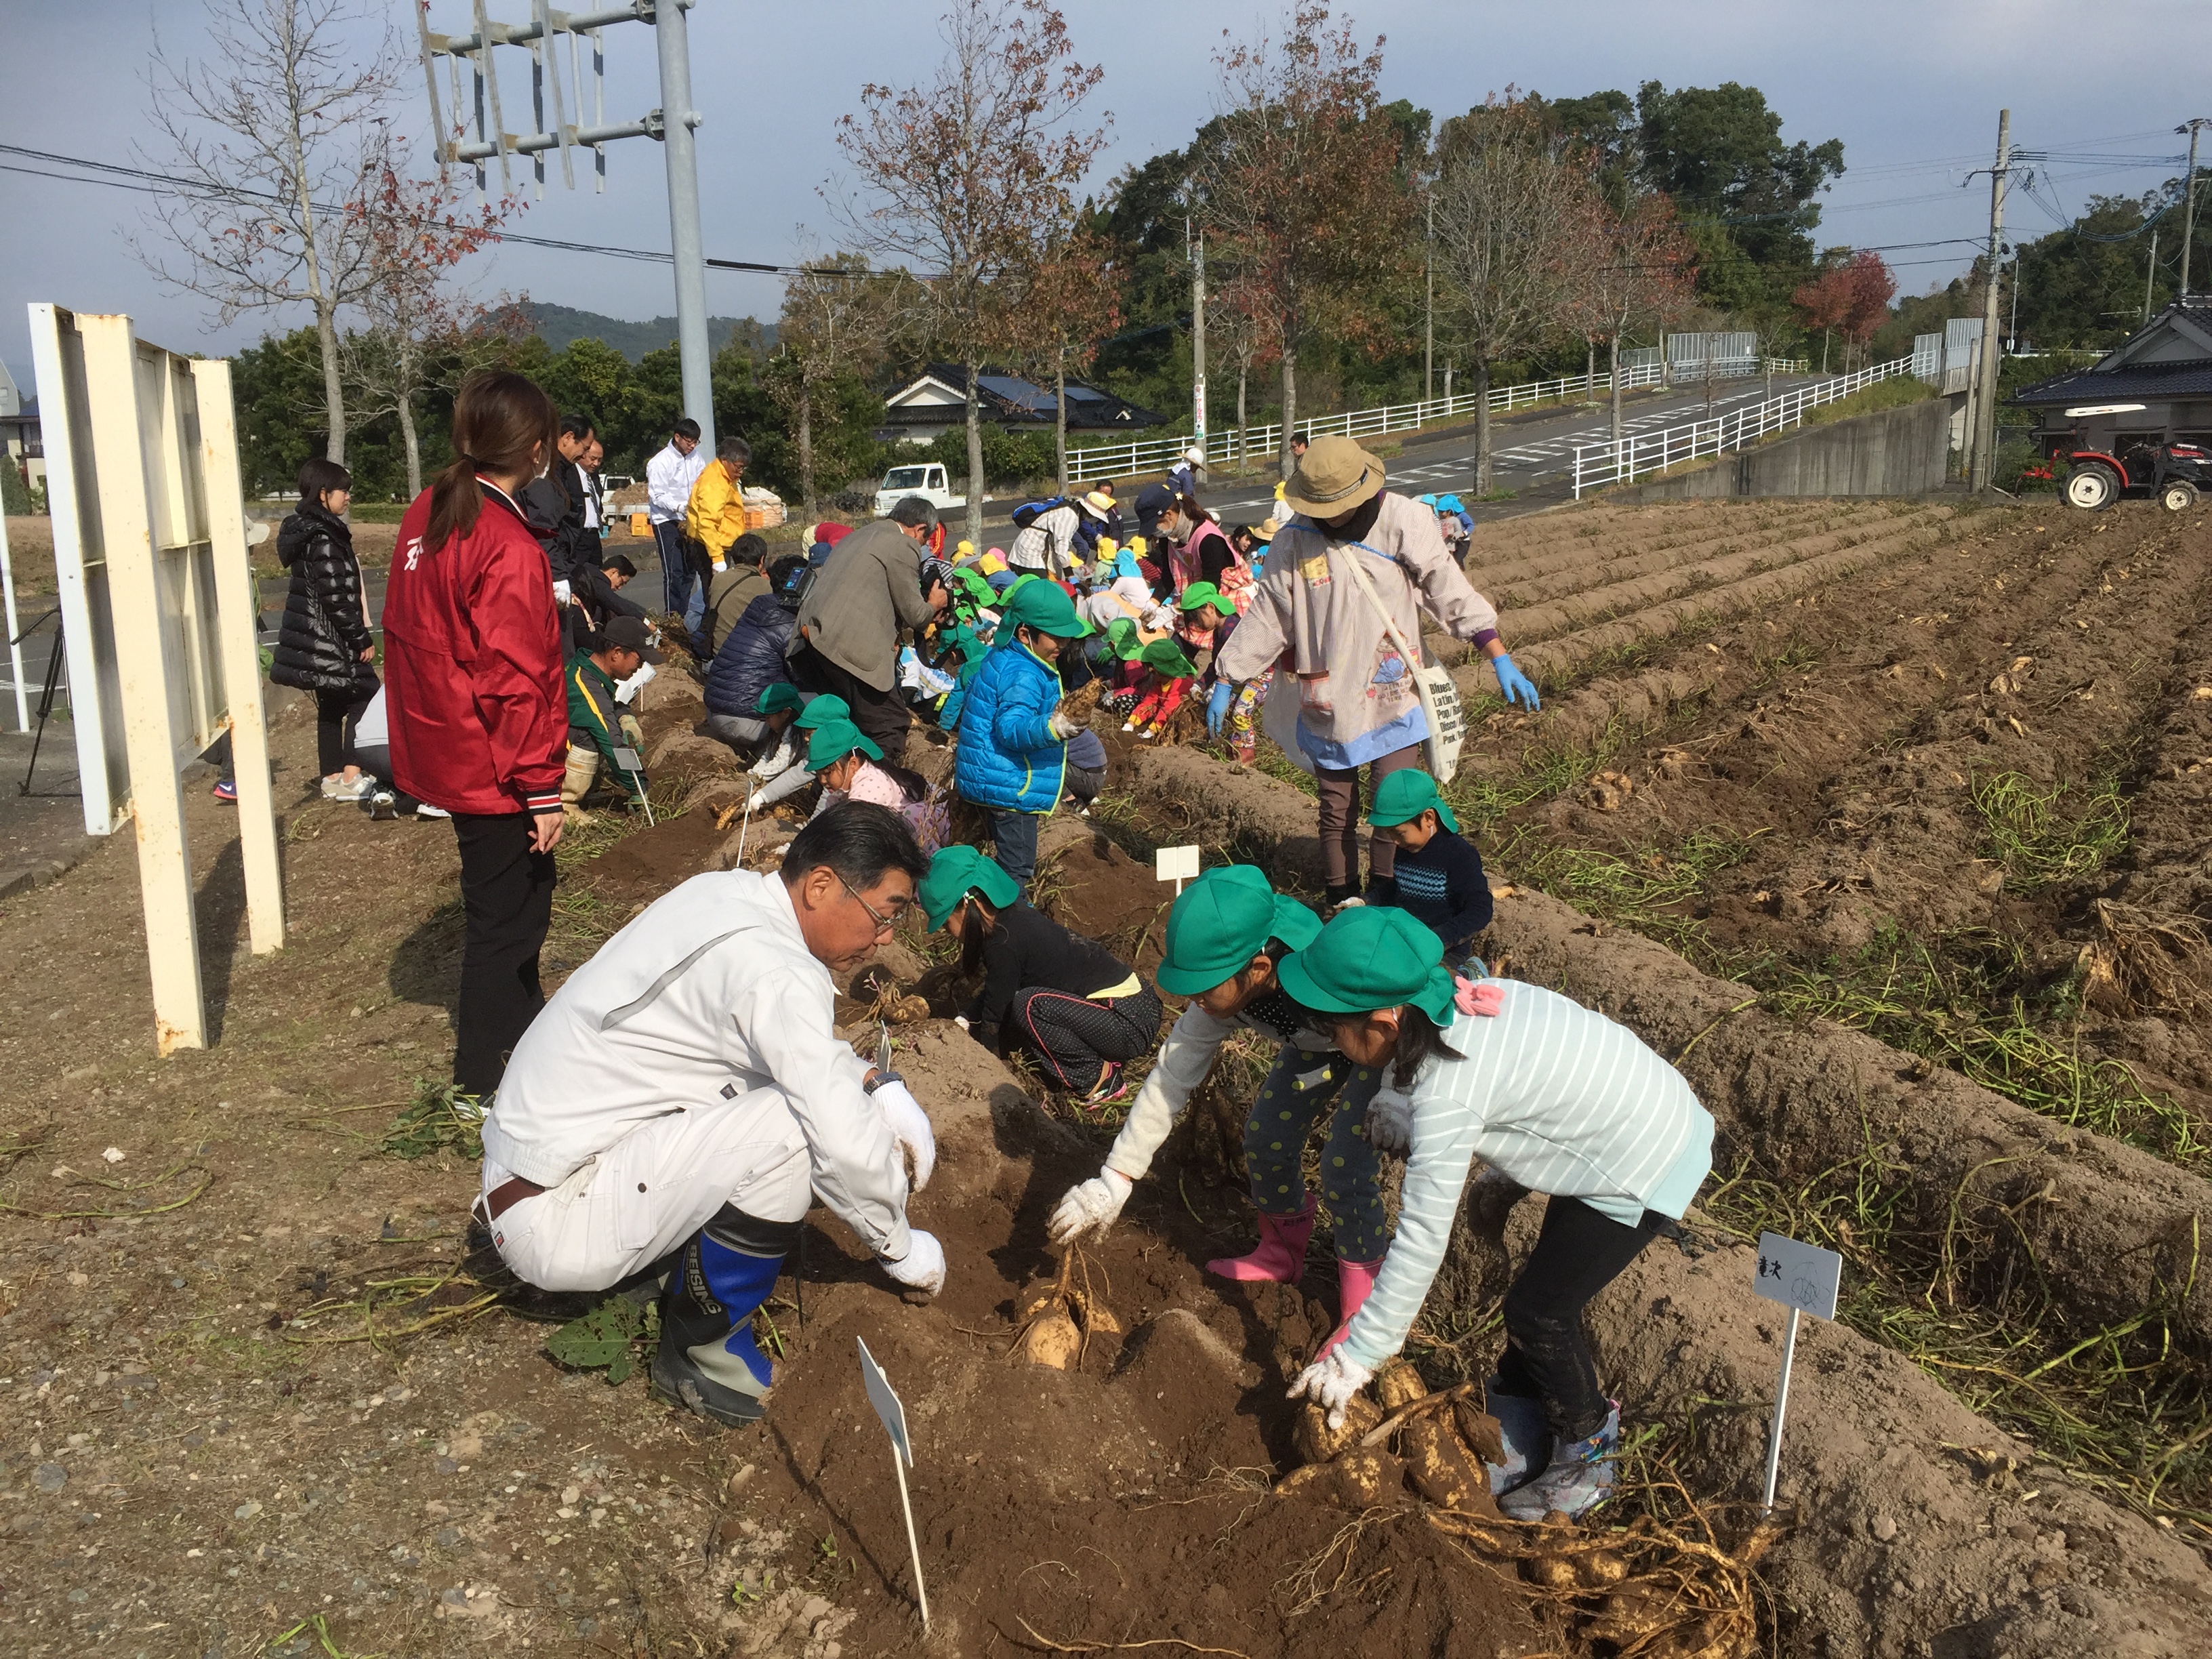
point(1912, 89)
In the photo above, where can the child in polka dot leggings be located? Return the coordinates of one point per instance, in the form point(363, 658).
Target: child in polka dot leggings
point(1302, 1089)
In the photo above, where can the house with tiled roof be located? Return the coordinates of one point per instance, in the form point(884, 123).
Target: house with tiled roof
point(2156, 388)
point(938, 400)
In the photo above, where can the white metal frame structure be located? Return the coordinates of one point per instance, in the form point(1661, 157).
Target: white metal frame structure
point(1240, 444)
point(1596, 466)
point(159, 611)
point(674, 124)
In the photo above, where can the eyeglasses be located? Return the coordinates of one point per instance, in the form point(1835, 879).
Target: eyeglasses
point(883, 924)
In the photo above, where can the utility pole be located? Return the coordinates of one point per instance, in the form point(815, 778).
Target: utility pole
point(685, 241)
point(1197, 337)
point(2150, 275)
point(1985, 399)
point(1429, 324)
point(2189, 199)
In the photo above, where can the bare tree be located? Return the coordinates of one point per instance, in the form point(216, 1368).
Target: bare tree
point(1636, 269)
point(1511, 217)
point(1071, 302)
point(839, 319)
point(1296, 183)
point(274, 129)
point(971, 176)
point(1240, 323)
point(412, 232)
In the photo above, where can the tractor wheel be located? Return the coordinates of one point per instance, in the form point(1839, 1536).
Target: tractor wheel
point(2179, 496)
point(2093, 488)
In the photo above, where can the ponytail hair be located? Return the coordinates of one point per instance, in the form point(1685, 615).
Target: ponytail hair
point(502, 423)
point(1420, 1039)
point(1187, 504)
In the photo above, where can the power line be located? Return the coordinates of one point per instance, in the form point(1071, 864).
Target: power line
point(200, 187)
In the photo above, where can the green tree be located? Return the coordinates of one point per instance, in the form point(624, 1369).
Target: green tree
point(2084, 286)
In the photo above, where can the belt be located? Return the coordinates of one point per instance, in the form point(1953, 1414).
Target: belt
point(504, 1197)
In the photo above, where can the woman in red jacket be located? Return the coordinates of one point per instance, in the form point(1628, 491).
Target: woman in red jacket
point(479, 720)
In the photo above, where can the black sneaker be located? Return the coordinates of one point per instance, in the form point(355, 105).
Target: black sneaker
point(677, 1379)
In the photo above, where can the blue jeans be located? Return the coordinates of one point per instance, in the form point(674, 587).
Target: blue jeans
point(1013, 839)
point(678, 580)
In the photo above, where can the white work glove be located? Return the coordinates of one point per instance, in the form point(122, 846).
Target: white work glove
point(1089, 1208)
point(1330, 1382)
point(1390, 1122)
point(1063, 725)
point(910, 1127)
point(922, 1267)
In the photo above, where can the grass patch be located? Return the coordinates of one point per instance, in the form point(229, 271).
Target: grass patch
point(2121, 1409)
point(442, 1117)
point(1656, 893)
point(2047, 837)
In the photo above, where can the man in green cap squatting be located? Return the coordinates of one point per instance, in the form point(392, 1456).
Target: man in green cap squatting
point(1080, 1009)
point(1013, 737)
point(1553, 1097)
point(1225, 935)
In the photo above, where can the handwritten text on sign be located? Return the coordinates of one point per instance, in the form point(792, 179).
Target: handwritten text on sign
point(1796, 1275)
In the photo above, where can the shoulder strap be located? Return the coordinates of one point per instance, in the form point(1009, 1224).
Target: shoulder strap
point(1413, 658)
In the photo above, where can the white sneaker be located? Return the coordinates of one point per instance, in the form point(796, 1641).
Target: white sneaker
point(342, 787)
point(424, 810)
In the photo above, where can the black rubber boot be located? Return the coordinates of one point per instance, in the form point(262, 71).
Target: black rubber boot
point(708, 1361)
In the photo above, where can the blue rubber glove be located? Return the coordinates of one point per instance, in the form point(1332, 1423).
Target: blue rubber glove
point(1516, 685)
point(1216, 707)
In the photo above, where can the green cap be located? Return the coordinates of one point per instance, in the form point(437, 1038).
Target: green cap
point(1166, 657)
point(1045, 607)
point(822, 711)
point(782, 694)
point(832, 741)
point(1223, 921)
point(1406, 793)
point(954, 873)
point(1121, 635)
point(1373, 956)
point(1198, 593)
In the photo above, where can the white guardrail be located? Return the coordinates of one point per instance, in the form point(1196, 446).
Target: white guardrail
point(1240, 445)
point(1599, 464)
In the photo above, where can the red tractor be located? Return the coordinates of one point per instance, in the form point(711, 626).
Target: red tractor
point(2173, 475)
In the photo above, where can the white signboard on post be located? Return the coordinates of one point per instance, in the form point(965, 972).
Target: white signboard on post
point(893, 1416)
point(159, 615)
point(1175, 864)
point(1805, 1278)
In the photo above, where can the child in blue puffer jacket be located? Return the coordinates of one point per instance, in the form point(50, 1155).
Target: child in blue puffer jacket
point(1012, 755)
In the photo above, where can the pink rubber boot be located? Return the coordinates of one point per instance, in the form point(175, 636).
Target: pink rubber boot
point(1281, 1256)
point(1354, 1279)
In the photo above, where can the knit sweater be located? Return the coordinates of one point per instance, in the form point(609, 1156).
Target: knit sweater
point(1560, 1098)
point(1442, 886)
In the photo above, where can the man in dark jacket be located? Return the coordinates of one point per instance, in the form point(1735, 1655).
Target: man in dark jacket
point(599, 726)
point(749, 660)
point(560, 509)
point(848, 624)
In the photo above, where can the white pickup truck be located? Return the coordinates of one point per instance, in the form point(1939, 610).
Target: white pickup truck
point(925, 479)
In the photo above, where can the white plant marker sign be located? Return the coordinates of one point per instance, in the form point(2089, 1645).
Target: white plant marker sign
point(894, 1415)
point(1804, 1278)
point(1175, 864)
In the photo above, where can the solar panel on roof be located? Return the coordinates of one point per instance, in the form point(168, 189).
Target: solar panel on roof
point(1015, 391)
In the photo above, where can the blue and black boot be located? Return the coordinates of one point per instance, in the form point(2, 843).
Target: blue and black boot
point(708, 1359)
point(1525, 1432)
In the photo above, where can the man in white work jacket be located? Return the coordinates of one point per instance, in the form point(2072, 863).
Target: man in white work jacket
point(678, 1100)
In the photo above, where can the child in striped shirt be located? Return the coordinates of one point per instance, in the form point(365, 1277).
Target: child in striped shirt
point(1436, 877)
point(1550, 1095)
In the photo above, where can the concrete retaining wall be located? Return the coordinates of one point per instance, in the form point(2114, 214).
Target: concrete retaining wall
point(1893, 452)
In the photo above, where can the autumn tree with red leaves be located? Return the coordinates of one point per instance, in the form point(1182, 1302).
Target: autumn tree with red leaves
point(1851, 297)
point(1296, 183)
point(1070, 305)
point(969, 179)
point(412, 233)
point(1638, 269)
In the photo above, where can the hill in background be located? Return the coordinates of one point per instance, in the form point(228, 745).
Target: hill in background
point(557, 326)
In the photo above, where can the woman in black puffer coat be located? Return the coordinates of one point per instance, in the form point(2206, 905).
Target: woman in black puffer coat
point(325, 646)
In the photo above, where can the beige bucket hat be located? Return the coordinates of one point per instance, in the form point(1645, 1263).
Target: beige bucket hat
point(1334, 475)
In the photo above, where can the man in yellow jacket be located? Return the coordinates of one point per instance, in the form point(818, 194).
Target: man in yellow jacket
point(716, 516)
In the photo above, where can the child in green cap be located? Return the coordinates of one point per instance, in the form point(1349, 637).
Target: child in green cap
point(1012, 754)
point(806, 714)
point(1553, 1097)
point(1225, 935)
point(1123, 667)
point(1062, 997)
point(1436, 877)
point(1169, 674)
point(851, 768)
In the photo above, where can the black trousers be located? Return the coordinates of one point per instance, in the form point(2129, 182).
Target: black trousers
point(1075, 1035)
point(1547, 1356)
point(335, 714)
point(507, 890)
point(879, 715)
